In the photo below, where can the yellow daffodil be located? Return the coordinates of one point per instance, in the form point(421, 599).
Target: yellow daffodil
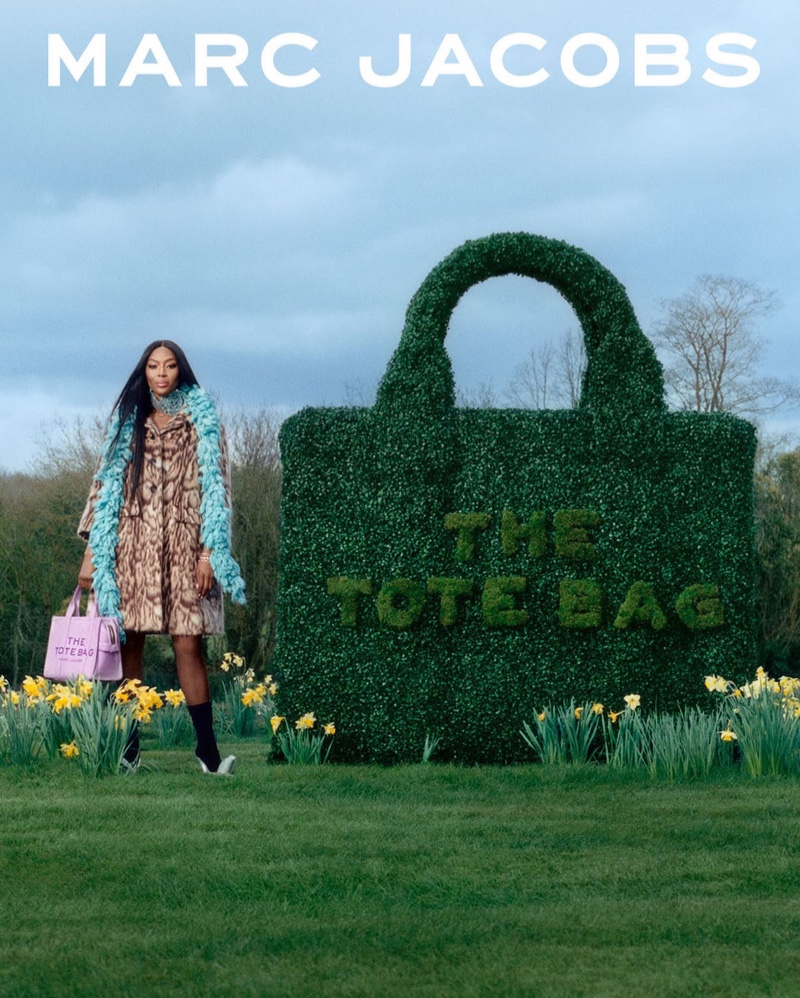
point(70, 750)
point(727, 735)
point(84, 688)
point(789, 685)
point(147, 698)
point(578, 712)
point(249, 697)
point(143, 713)
point(14, 696)
point(632, 700)
point(613, 715)
point(716, 684)
point(330, 728)
point(306, 721)
point(597, 708)
point(272, 689)
point(174, 697)
point(267, 680)
point(35, 689)
point(127, 691)
point(230, 660)
point(542, 716)
point(3, 684)
point(275, 722)
point(64, 701)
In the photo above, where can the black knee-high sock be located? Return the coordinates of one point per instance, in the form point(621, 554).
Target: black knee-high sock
point(131, 753)
point(202, 716)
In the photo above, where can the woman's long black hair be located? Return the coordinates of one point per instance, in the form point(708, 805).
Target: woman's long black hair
point(135, 398)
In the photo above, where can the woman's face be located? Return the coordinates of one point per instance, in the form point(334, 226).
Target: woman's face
point(161, 371)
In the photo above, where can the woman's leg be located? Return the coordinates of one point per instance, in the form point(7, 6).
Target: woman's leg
point(191, 667)
point(193, 678)
point(131, 650)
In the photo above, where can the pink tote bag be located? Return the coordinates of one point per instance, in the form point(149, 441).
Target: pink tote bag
point(83, 646)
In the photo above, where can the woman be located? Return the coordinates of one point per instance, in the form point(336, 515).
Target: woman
point(158, 529)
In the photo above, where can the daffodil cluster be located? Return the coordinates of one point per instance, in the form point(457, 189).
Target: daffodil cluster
point(632, 702)
point(785, 690)
point(247, 700)
point(763, 719)
point(145, 699)
point(69, 696)
point(36, 691)
point(302, 744)
point(231, 661)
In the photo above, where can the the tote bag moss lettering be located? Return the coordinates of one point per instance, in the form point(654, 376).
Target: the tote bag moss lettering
point(448, 572)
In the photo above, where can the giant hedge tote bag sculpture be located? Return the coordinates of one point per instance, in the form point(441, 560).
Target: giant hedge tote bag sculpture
point(447, 572)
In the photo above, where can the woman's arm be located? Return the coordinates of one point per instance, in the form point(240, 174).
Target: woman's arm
point(87, 517)
point(86, 571)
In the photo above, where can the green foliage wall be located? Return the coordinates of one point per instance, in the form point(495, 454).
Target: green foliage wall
point(451, 571)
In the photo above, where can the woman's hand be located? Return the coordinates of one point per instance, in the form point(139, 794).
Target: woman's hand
point(86, 571)
point(203, 576)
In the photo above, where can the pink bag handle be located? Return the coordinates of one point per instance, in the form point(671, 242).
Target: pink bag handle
point(74, 604)
point(73, 609)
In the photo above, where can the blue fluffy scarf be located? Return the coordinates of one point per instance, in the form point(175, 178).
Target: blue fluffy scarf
point(214, 511)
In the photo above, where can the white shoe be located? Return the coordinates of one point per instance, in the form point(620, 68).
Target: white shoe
point(130, 767)
point(226, 767)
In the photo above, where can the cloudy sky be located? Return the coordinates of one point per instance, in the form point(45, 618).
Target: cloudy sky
point(278, 232)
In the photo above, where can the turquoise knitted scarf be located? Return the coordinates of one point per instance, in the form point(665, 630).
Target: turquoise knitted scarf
point(215, 514)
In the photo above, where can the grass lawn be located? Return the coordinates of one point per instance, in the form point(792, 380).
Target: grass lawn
point(419, 880)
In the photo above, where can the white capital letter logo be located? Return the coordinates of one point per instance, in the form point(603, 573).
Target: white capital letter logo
point(395, 79)
point(273, 74)
point(498, 66)
point(597, 79)
point(160, 66)
point(228, 62)
point(715, 53)
point(677, 59)
point(58, 54)
point(463, 66)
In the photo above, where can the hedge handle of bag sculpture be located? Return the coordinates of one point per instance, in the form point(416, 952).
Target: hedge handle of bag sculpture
point(623, 375)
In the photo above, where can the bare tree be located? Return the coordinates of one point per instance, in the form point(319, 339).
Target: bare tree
point(359, 393)
point(482, 396)
point(550, 376)
point(571, 367)
point(530, 386)
point(70, 447)
point(714, 350)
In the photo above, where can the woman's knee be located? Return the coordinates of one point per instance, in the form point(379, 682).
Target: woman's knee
point(189, 646)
